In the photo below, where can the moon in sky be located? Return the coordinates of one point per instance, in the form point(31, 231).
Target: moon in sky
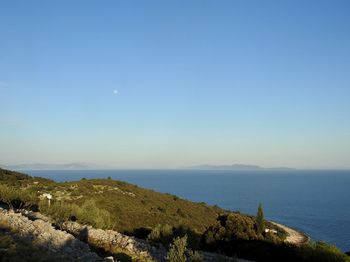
point(115, 91)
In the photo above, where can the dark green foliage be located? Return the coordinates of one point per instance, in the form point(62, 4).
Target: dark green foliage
point(177, 250)
point(260, 221)
point(193, 238)
point(231, 227)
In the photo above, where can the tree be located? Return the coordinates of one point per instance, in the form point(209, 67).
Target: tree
point(177, 250)
point(260, 221)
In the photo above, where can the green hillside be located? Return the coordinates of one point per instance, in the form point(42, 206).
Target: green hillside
point(131, 207)
point(157, 217)
point(12, 177)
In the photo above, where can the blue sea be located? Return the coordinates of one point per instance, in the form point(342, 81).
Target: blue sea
point(314, 202)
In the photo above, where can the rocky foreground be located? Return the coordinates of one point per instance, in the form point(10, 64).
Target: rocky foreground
point(56, 244)
point(70, 243)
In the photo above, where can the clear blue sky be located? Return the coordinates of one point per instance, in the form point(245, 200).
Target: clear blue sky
point(196, 82)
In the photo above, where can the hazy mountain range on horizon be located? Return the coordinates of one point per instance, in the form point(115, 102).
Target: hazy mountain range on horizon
point(87, 166)
point(43, 166)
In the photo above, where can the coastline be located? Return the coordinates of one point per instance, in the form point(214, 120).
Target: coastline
point(294, 237)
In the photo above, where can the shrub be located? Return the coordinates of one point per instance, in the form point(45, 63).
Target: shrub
point(231, 227)
point(25, 199)
point(322, 252)
point(195, 256)
point(7, 195)
point(16, 197)
point(161, 234)
point(177, 250)
point(193, 239)
point(58, 211)
point(87, 213)
point(165, 234)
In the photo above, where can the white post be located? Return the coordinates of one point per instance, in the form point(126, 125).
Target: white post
point(49, 198)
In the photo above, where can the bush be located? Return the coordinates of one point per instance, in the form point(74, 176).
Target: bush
point(7, 195)
point(161, 234)
point(231, 227)
point(165, 234)
point(16, 197)
point(177, 250)
point(58, 211)
point(87, 213)
point(193, 239)
point(90, 214)
point(195, 256)
point(25, 199)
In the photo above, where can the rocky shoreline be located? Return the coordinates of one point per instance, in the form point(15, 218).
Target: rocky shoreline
point(294, 237)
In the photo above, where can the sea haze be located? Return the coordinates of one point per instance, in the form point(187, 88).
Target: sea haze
point(315, 202)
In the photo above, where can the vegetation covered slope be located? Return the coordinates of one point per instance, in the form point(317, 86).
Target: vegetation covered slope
point(131, 208)
point(12, 177)
point(160, 218)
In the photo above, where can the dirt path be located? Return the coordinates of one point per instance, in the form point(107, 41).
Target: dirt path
point(294, 236)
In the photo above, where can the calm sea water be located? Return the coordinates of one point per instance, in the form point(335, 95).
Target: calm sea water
point(315, 202)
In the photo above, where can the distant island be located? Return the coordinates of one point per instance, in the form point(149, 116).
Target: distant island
point(42, 166)
point(237, 167)
point(89, 166)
